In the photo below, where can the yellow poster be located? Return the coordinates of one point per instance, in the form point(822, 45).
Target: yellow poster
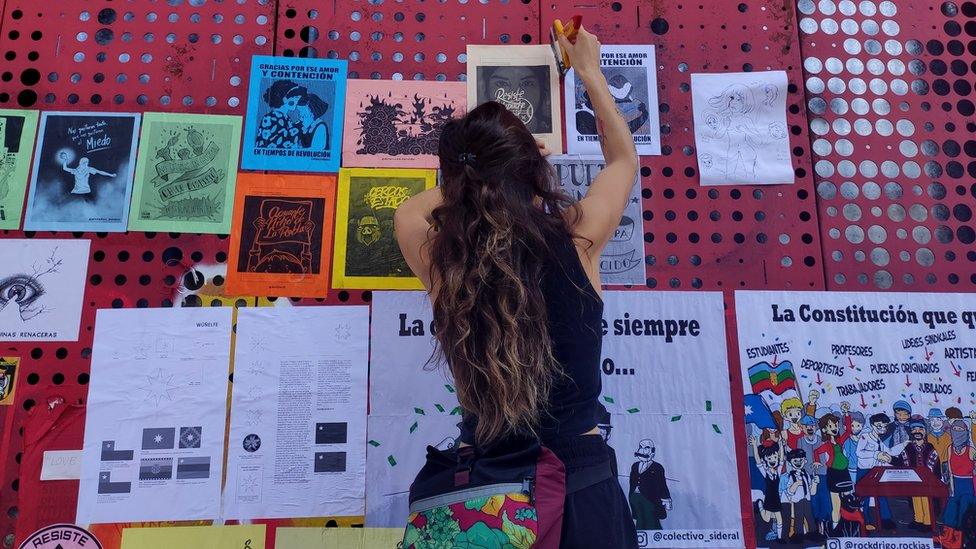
point(337, 538)
point(366, 252)
point(8, 378)
point(195, 537)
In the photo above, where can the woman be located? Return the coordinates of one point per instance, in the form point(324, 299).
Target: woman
point(831, 455)
point(512, 267)
point(962, 496)
point(314, 130)
point(278, 129)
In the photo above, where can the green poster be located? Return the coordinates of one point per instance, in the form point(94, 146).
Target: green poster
point(185, 174)
point(18, 129)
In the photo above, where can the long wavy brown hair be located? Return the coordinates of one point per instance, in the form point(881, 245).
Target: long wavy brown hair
point(500, 212)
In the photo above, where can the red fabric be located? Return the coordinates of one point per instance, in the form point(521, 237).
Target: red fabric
point(53, 501)
point(550, 497)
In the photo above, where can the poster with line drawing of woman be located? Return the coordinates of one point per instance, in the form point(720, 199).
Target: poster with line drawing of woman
point(740, 128)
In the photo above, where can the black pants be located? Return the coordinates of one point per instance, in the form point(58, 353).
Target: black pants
point(597, 517)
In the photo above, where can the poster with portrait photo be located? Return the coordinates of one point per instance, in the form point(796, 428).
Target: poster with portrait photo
point(366, 253)
point(741, 133)
point(622, 260)
point(282, 235)
point(18, 129)
point(82, 178)
point(525, 80)
point(294, 114)
point(631, 73)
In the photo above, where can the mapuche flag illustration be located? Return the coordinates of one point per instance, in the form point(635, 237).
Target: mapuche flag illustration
point(775, 379)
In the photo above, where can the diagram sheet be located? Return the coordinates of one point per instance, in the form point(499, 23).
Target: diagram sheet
point(297, 445)
point(154, 432)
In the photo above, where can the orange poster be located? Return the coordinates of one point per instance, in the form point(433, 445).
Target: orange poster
point(282, 235)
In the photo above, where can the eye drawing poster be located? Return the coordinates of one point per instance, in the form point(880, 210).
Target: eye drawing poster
point(622, 260)
point(282, 235)
point(397, 124)
point(186, 173)
point(42, 286)
point(156, 416)
point(294, 114)
point(17, 128)
point(740, 128)
point(525, 80)
point(83, 168)
point(366, 252)
point(631, 73)
point(297, 445)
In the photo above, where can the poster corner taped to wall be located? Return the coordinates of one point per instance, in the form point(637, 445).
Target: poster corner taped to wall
point(366, 251)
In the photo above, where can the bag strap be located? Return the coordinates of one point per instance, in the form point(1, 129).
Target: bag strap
point(588, 476)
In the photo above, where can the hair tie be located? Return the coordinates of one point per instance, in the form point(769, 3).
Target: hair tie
point(467, 158)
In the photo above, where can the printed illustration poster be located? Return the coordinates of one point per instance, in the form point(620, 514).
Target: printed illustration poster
point(671, 430)
point(525, 80)
point(249, 536)
point(18, 129)
point(622, 260)
point(631, 73)
point(297, 445)
point(366, 253)
point(397, 123)
point(186, 173)
point(282, 235)
point(740, 128)
point(157, 405)
point(42, 285)
point(83, 169)
point(294, 114)
point(858, 405)
point(8, 379)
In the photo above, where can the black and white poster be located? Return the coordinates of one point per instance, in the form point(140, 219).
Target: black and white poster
point(83, 172)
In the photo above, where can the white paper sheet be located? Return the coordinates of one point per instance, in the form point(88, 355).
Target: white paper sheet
point(297, 445)
point(157, 403)
point(900, 475)
point(622, 260)
point(42, 284)
point(631, 73)
point(740, 128)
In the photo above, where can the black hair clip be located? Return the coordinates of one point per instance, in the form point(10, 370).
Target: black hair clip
point(466, 158)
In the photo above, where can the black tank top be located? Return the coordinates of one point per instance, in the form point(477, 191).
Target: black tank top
point(575, 313)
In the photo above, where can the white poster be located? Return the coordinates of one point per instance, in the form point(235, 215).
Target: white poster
point(622, 260)
point(157, 405)
point(297, 445)
point(396, 451)
point(42, 284)
point(666, 385)
point(631, 73)
point(868, 395)
point(740, 128)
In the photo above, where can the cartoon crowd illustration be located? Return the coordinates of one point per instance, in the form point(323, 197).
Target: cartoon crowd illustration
point(846, 470)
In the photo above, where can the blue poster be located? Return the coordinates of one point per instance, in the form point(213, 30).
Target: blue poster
point(82, 176)
point(294, 114)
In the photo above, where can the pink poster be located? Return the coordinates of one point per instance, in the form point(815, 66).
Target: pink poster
point(397, 124)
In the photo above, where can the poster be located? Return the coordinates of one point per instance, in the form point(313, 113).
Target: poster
point(195, 537)
point(337, 538)
point(665, 387)
point(42, 284)
point(186, 173)
point(18, 129)
point(844, 392)
point(157, 405)
point(622, 260)
point(282, 235)
point(631, 73)
point(298, 419)
point(294, 114)
point(8, 379)
point(83, 166)
point(525, 80)
point(740, 128)
point(397, 123)
point(366, 253)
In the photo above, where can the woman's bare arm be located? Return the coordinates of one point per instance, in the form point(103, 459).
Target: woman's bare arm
point(412, 224)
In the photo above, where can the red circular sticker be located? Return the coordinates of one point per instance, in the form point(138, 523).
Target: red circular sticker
point(61, 536)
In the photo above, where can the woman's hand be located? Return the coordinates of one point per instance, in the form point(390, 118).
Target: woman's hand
point(584, 55)
point(542, 148)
